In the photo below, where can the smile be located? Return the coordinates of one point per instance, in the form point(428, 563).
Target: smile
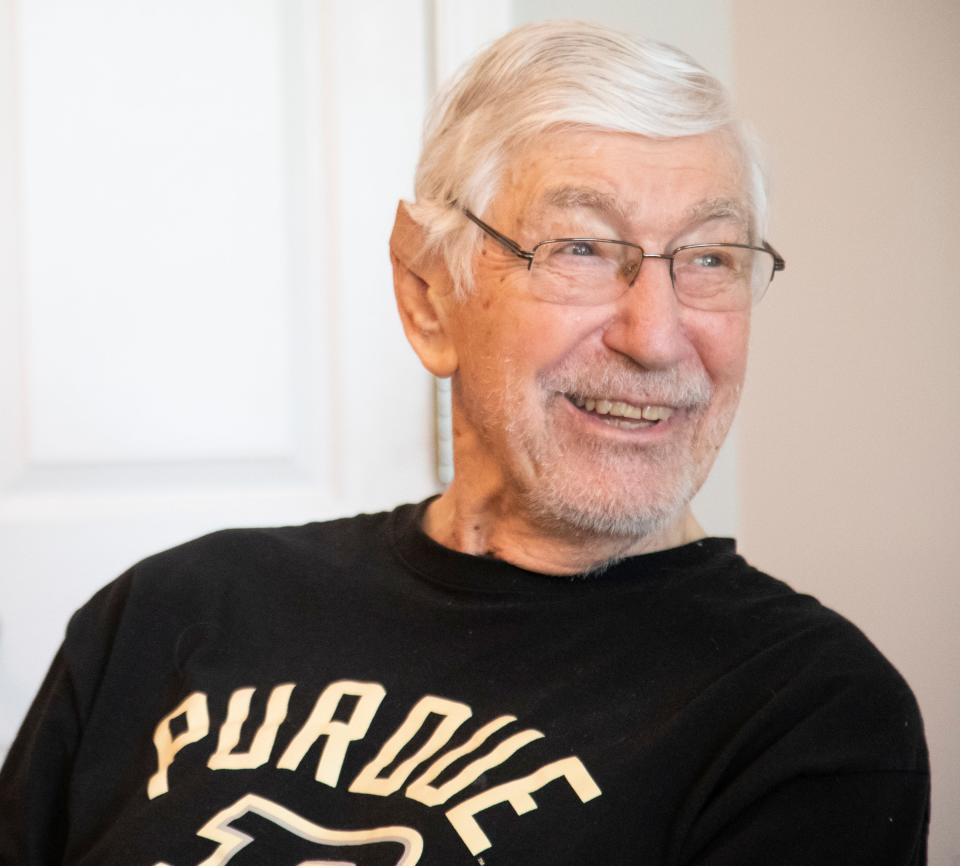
point(618, 409)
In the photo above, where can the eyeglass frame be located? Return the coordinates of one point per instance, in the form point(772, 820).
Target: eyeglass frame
point(512, 246)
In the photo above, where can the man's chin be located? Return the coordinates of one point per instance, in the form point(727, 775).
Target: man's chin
point(597, 514)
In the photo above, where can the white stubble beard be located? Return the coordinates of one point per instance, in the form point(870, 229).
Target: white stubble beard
point(566, 496)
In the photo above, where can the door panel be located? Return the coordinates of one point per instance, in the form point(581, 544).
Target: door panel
point(196, 316)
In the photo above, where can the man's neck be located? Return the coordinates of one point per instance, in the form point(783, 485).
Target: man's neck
point(489, 527)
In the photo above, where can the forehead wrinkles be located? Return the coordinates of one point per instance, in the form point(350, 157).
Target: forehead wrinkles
point(576, 197)
point(524, 204)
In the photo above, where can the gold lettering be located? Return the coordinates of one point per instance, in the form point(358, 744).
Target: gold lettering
point(224, 758)
point(339, 734)
point(194, 707)
point(421, 789)
point(517, 794)
point(454, 714)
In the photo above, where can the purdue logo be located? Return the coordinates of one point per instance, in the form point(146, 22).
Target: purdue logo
point(424, 776)
point(314, 845)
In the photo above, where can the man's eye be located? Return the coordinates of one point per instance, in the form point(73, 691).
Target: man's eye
point(578, 248)
point(711, 260)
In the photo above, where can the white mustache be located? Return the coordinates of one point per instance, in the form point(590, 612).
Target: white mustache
point(680, 388)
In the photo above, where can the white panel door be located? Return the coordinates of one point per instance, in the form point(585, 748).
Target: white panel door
point(196, 317)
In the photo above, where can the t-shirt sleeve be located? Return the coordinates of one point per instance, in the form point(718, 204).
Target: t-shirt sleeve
point(36, 776)
point(832, 769)
point(857, 819)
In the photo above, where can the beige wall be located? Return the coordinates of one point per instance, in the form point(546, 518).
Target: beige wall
point(850, 429)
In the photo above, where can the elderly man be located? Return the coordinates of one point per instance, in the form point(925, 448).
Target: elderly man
point(549, 663)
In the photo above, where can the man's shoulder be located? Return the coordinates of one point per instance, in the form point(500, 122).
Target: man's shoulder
point(234, 550)
point(809, 655)
point(258, 563)
point(786, 613)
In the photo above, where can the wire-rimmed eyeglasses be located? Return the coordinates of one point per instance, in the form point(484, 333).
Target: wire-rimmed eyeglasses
point(588, 271)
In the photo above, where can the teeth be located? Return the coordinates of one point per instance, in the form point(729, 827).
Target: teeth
point(656, 413)
point(625, 410)
point(622, 410)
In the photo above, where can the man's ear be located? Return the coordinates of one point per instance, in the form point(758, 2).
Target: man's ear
point(424, 294)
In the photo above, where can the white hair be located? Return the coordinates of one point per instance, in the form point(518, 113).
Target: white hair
point(547, 75)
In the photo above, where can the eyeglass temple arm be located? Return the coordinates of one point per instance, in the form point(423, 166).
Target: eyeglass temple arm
point(503, 240)
point(778, 261)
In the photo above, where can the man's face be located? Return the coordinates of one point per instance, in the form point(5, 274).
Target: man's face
point(534, 378)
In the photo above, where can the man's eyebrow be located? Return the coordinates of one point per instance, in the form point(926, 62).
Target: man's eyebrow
point(569, 197)
point(720, 208)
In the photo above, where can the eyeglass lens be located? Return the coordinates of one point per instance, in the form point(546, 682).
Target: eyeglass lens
point(719, 277)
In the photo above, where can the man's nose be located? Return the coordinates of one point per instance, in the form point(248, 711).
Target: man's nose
point(648, 325)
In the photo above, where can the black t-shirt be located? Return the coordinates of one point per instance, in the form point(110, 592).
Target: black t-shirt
point(352, 692)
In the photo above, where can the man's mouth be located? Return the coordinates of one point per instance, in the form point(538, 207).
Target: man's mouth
point(627, 414)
